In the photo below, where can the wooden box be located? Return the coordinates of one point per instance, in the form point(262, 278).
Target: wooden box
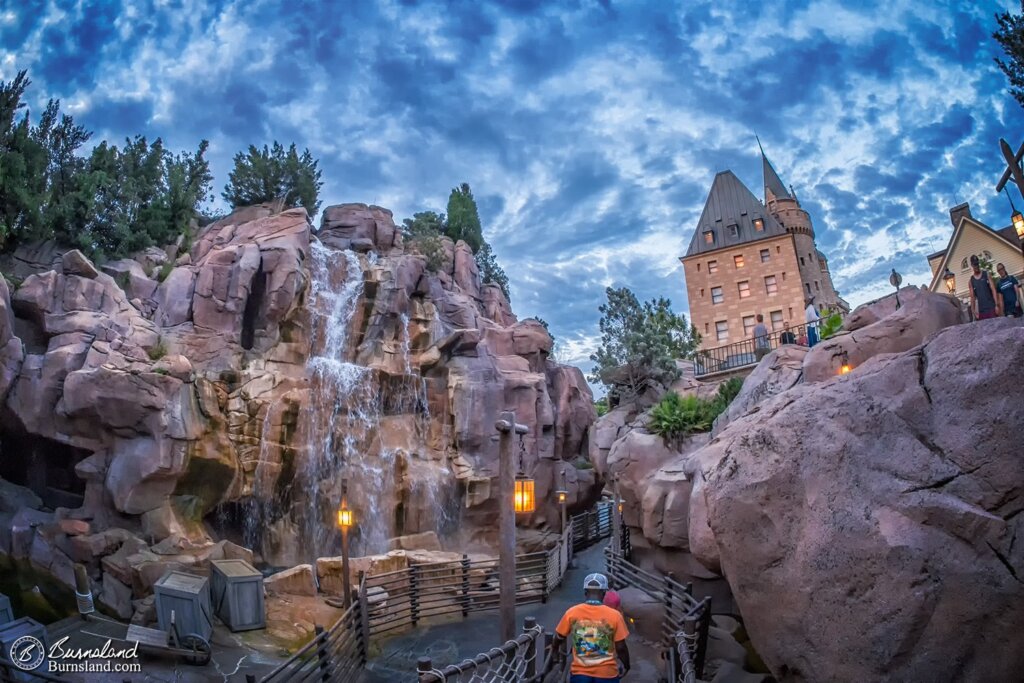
point(237, 591)
point(10, 633)
point(188, 596)
point(6, 613)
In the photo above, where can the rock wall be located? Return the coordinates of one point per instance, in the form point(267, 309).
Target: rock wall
point(160, 411)
point(866, 523)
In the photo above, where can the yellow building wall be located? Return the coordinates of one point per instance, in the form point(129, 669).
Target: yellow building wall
point(976, 240)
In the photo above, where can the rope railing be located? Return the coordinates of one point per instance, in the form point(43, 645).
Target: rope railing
point(520, 660)
point(337, 654)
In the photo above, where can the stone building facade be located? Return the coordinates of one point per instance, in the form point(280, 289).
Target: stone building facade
point(748, 257)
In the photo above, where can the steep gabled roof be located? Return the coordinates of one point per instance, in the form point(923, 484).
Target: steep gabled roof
point(772, 182)
point(1006, 235)
point(730, 203)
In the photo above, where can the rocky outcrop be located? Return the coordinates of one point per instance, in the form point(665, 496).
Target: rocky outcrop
point(868, 524)
point(857, 517)
point(167, 401)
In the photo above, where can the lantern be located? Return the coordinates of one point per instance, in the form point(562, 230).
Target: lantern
point(344, 517)
point(562, 496)
point(524, 498)
point(1018, 224)
point(845, 367)
point(950, 279)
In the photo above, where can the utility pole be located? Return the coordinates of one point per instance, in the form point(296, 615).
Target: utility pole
point(507, 427)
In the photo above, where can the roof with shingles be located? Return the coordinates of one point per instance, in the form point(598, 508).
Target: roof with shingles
point(772, 182)
point(729, 213)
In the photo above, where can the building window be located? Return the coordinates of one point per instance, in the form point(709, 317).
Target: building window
point(770, 285)
point(759, 224)
point(778, 249)
point(790, 312)
point(698, 266)
point(706, 330)
point(963, 264)
point(709, 237)
point(808, 286)
point(783, 276)
point(748, 326)
point(766, 256)
point(702, 292)
point(776, 320)
point(737, 260)
point(712, 267)
point(716, 295)
point(816, 287)
point(734, 230)
point(802, 261)
point(744, 287)
point(722, 330)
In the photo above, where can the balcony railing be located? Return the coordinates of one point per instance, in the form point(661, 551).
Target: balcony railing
point(742, 353)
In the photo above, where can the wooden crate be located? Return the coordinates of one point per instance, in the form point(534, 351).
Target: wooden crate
point(6, 613)
point(11, 632)
point(188, 596)
point(237, 591)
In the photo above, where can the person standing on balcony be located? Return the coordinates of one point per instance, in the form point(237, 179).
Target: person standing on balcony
point(787, 336)
point(985, 303)
point(596, 634)
point(762, 345)
point(811, 317)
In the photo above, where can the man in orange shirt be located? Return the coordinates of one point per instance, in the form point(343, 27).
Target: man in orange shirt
point(597, 634)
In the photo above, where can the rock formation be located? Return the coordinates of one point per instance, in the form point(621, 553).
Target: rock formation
point(175, 407)
point(866, 524)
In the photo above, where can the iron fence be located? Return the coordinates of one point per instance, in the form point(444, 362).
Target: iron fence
point(742, 353)
point(592, 526)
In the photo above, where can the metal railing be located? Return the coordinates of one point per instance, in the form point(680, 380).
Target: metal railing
point(338, 654)
point(520, 660)
point(592, 526)
point(742, 353)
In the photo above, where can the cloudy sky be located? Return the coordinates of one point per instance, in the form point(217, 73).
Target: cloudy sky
point(590, 130)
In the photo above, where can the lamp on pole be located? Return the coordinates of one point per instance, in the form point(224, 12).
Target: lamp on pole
point(1015, 171)
point(562, 494)
point(345, 520)
point(950, 278)
point(895, 279)
point(510, 498)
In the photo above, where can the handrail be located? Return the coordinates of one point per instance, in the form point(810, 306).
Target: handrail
point(744, 352)
point(521, 659)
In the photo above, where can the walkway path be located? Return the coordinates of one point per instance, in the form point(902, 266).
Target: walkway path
point(452, 642)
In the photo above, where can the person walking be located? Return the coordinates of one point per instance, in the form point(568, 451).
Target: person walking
point(762, 345)
point(787, 336)
point(984, 302)
point(1010, 292)
point(811, 317)
point(596, 634)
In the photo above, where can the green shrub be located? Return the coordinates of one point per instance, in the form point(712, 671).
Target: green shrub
point(675, 417)
point(830, 324)
point(158, 350)
point(601, 406)
point(728, 390)
point(165, 270)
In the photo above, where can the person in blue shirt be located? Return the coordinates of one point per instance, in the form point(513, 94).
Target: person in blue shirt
point(1010, 291)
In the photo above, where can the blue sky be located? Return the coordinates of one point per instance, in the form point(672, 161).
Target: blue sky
point(590, 130)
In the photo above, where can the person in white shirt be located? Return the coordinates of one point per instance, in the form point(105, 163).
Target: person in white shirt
point(811, 317)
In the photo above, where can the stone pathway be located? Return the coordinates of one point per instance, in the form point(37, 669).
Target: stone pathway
point(452, 642)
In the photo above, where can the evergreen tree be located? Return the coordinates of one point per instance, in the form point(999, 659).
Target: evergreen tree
point(23, 164)
point(490, 271)
point(640, 343)
point(272, 174)
point(463, 218)
point(1011, 37)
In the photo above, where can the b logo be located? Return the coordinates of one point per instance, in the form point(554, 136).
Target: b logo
point(27, 653)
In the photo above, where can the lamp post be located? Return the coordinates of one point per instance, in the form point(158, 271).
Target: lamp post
point(895, 279)
point(1015, 171)
point(950, 279)
point(509, 500)
point(562, 495)
point(1018, 225)
point(345, 519)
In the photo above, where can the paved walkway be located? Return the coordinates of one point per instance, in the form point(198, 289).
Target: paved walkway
point(452, 642)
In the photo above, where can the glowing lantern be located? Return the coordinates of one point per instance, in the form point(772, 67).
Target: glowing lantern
point(344, 517)
point(845, 367)
point(950, 278)
point(562, 496)
point(524, 498)
point(1018, 224)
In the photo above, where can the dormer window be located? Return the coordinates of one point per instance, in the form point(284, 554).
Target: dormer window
point(758, 225)
point(734, 230)
point(709, 237)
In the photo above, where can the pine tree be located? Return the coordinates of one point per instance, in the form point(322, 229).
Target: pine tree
point(272, 174)
point(1011, 37)
point(463, 218)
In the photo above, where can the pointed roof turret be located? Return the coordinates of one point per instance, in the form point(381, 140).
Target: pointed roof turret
point(732, 215)
point(772, 183)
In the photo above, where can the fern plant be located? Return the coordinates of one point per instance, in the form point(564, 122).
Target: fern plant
point(830, 324)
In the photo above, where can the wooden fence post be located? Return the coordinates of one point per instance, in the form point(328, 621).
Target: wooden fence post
point(702, 637)
point(414, 590)
point(424, 666)
point(669, 599)
point(321, 652)
point(529, 623)
point(465, 585)
point(364, 617)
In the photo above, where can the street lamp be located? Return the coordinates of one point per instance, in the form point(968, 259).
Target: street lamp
point(1018, 225)
point(345, 521)
point(520, 490)
point(562, 495)
point(524, 499)
point(895, 279)
point(950, 277)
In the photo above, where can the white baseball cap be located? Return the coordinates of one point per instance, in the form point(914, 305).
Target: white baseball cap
point(595, 581)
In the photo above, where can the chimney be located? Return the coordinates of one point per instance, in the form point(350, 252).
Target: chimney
point(958, 212)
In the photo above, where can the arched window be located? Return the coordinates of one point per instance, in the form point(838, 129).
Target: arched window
point(963, 264)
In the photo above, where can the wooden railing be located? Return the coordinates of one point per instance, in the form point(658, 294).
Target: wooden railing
point(592, 526)
point(338, 654)
point(742, 353)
